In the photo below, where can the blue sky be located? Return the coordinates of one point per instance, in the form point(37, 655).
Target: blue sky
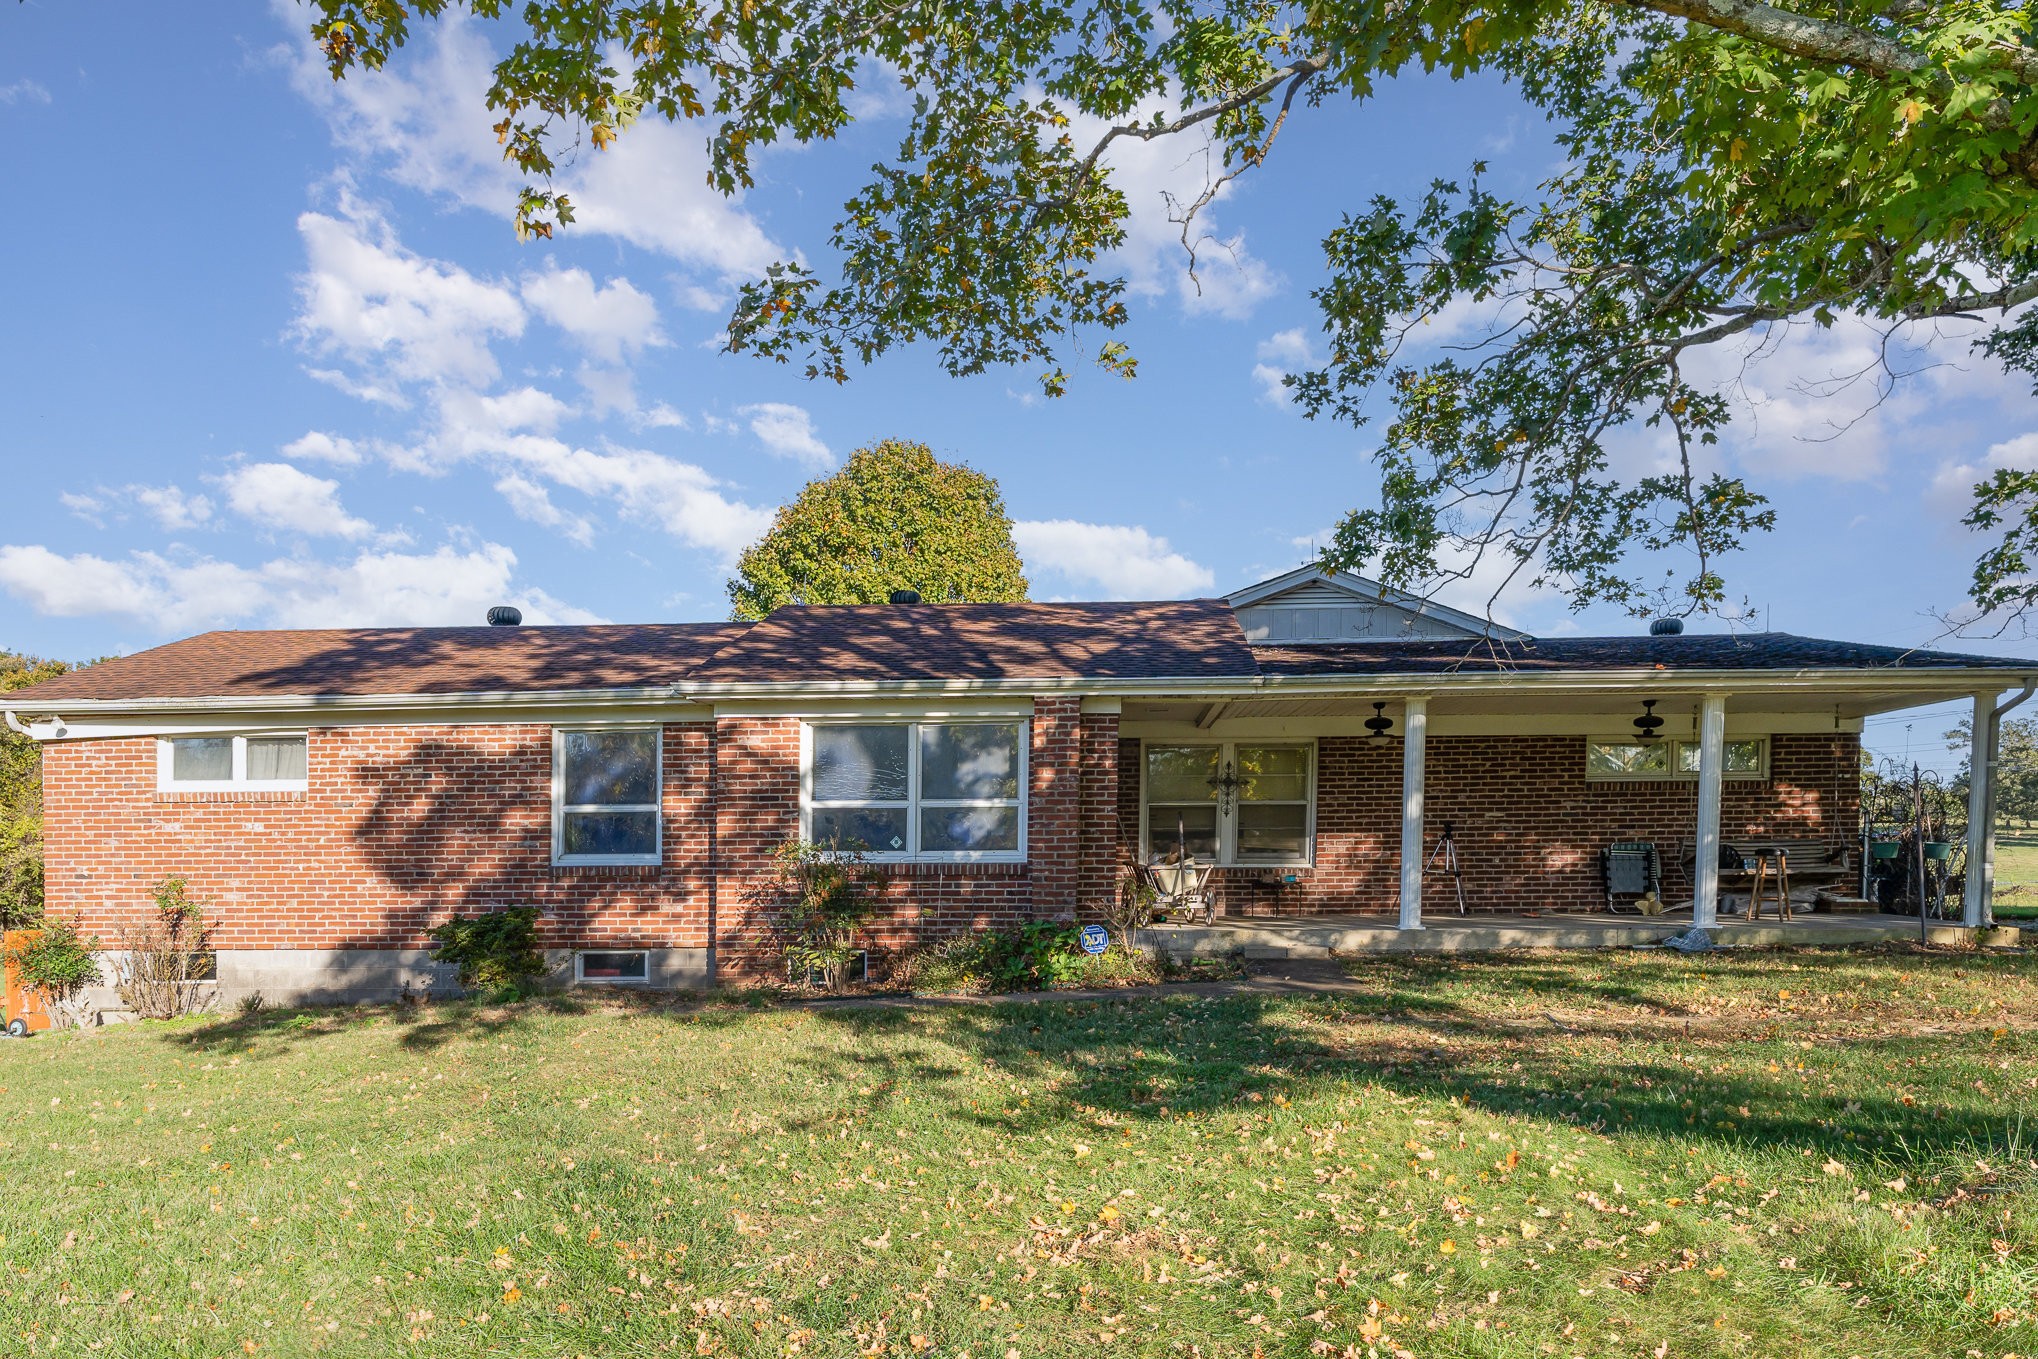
point(275, 358)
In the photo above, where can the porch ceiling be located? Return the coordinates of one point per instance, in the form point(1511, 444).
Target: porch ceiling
point(1610, 711)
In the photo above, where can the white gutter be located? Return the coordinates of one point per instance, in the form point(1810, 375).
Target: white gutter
point(1891, 680)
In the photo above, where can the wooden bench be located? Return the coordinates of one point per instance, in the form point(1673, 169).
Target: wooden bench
point(1814, 863)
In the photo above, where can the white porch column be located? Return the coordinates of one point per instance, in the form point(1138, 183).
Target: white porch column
point(1712, 742)
point(1414, 731)
point(1981, 773)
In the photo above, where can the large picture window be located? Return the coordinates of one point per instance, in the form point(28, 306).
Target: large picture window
point(267, 762)
point(1267, 819)
point(1746, 758)
point(918, 790)
point(605, 795)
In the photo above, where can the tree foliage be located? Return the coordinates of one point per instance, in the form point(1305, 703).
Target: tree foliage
point(1729, 168)
point(894, 518)
point(21, 800)
point(2016, 766)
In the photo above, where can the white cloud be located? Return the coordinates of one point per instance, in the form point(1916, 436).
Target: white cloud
point(318, 446)
point(179, 594)
point(172, 507)
point(1279, 355)
point(512, 433)
point(608, 321)
point(281, 497)
point(1160, 179)
point(425, 121)
point(530, 501)
point(404, 318)
point(1124, 561)
point(24, 92)
point(787, 432)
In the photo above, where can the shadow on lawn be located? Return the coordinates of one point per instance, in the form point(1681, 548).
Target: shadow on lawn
point(1131, 1060)
point(1140, 1059)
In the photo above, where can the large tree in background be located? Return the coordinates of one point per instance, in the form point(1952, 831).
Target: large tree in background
point(21, 800)
point(894, 518)
point(1730, 168)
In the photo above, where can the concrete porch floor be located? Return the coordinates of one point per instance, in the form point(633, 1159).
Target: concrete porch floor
point(1321, 935)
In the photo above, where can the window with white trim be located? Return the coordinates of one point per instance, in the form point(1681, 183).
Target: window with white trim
point(276, 761)
point(1744, 758)
point(606, 785)
point(1234, 803)
point(917, 790)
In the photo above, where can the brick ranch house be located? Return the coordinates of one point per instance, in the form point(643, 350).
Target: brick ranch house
point(334, 794)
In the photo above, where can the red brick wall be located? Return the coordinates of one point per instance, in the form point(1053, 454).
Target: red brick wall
point(403, 827)
point(1529, 825)
point(400, 829)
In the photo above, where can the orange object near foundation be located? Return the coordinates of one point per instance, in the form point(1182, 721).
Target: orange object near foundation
point(22, 1003)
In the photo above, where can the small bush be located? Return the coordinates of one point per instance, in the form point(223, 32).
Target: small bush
point(57, 962)
point(1037, 956)
point(831, 892)
point(496, 954)
point(163, 961)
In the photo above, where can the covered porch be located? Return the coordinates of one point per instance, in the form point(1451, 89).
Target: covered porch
point(1322, 935)
point(1323, 802)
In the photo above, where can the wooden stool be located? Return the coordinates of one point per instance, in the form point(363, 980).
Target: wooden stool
point(1780, 881)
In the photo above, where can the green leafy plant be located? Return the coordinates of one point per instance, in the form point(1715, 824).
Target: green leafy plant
point(164, 961)
point(894, 518)
point(21, 801)
point(496, 954)
point(831, 891)
point(1040, 955)
point(59, 963)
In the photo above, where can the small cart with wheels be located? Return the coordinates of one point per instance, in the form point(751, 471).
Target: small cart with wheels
point(26, 1011)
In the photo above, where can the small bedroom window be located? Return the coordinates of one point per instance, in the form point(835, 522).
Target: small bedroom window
point(268, 762)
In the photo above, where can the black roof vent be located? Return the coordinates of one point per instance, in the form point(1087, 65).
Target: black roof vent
point(905, 596)
point(505, 616)
point(1666, 627)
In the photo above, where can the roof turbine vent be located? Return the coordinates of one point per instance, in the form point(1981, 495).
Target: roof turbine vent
point(905, 596)
point(1666, 627)
point(505, 616)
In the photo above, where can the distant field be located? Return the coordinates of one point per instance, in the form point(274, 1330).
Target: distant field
point(2017, 873)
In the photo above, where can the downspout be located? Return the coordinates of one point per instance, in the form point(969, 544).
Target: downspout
point(1988, 774)
point(54, 727)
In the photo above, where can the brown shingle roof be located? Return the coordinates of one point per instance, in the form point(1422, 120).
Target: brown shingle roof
point(1170, 639)
point(1181, 639)
point(1694, 651)
point(361, 661)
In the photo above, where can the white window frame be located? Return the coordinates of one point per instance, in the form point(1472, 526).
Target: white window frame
point(580, 977)
point(238, 781)
point(1673, 758)
point(656, 806)
point(1227, 826)
point(913, 804)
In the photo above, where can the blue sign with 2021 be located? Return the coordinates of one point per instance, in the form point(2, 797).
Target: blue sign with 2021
point(1095, 939)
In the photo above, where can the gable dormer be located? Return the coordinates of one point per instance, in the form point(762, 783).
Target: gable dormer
point(1306, 606)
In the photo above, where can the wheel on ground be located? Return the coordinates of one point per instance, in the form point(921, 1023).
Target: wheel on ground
point(17, 1028)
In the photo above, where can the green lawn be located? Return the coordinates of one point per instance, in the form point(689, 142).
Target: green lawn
point(1614, 1154)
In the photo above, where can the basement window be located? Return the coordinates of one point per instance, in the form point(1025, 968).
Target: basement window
point(628, 968)
point(264, 762)
point(606, 795)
